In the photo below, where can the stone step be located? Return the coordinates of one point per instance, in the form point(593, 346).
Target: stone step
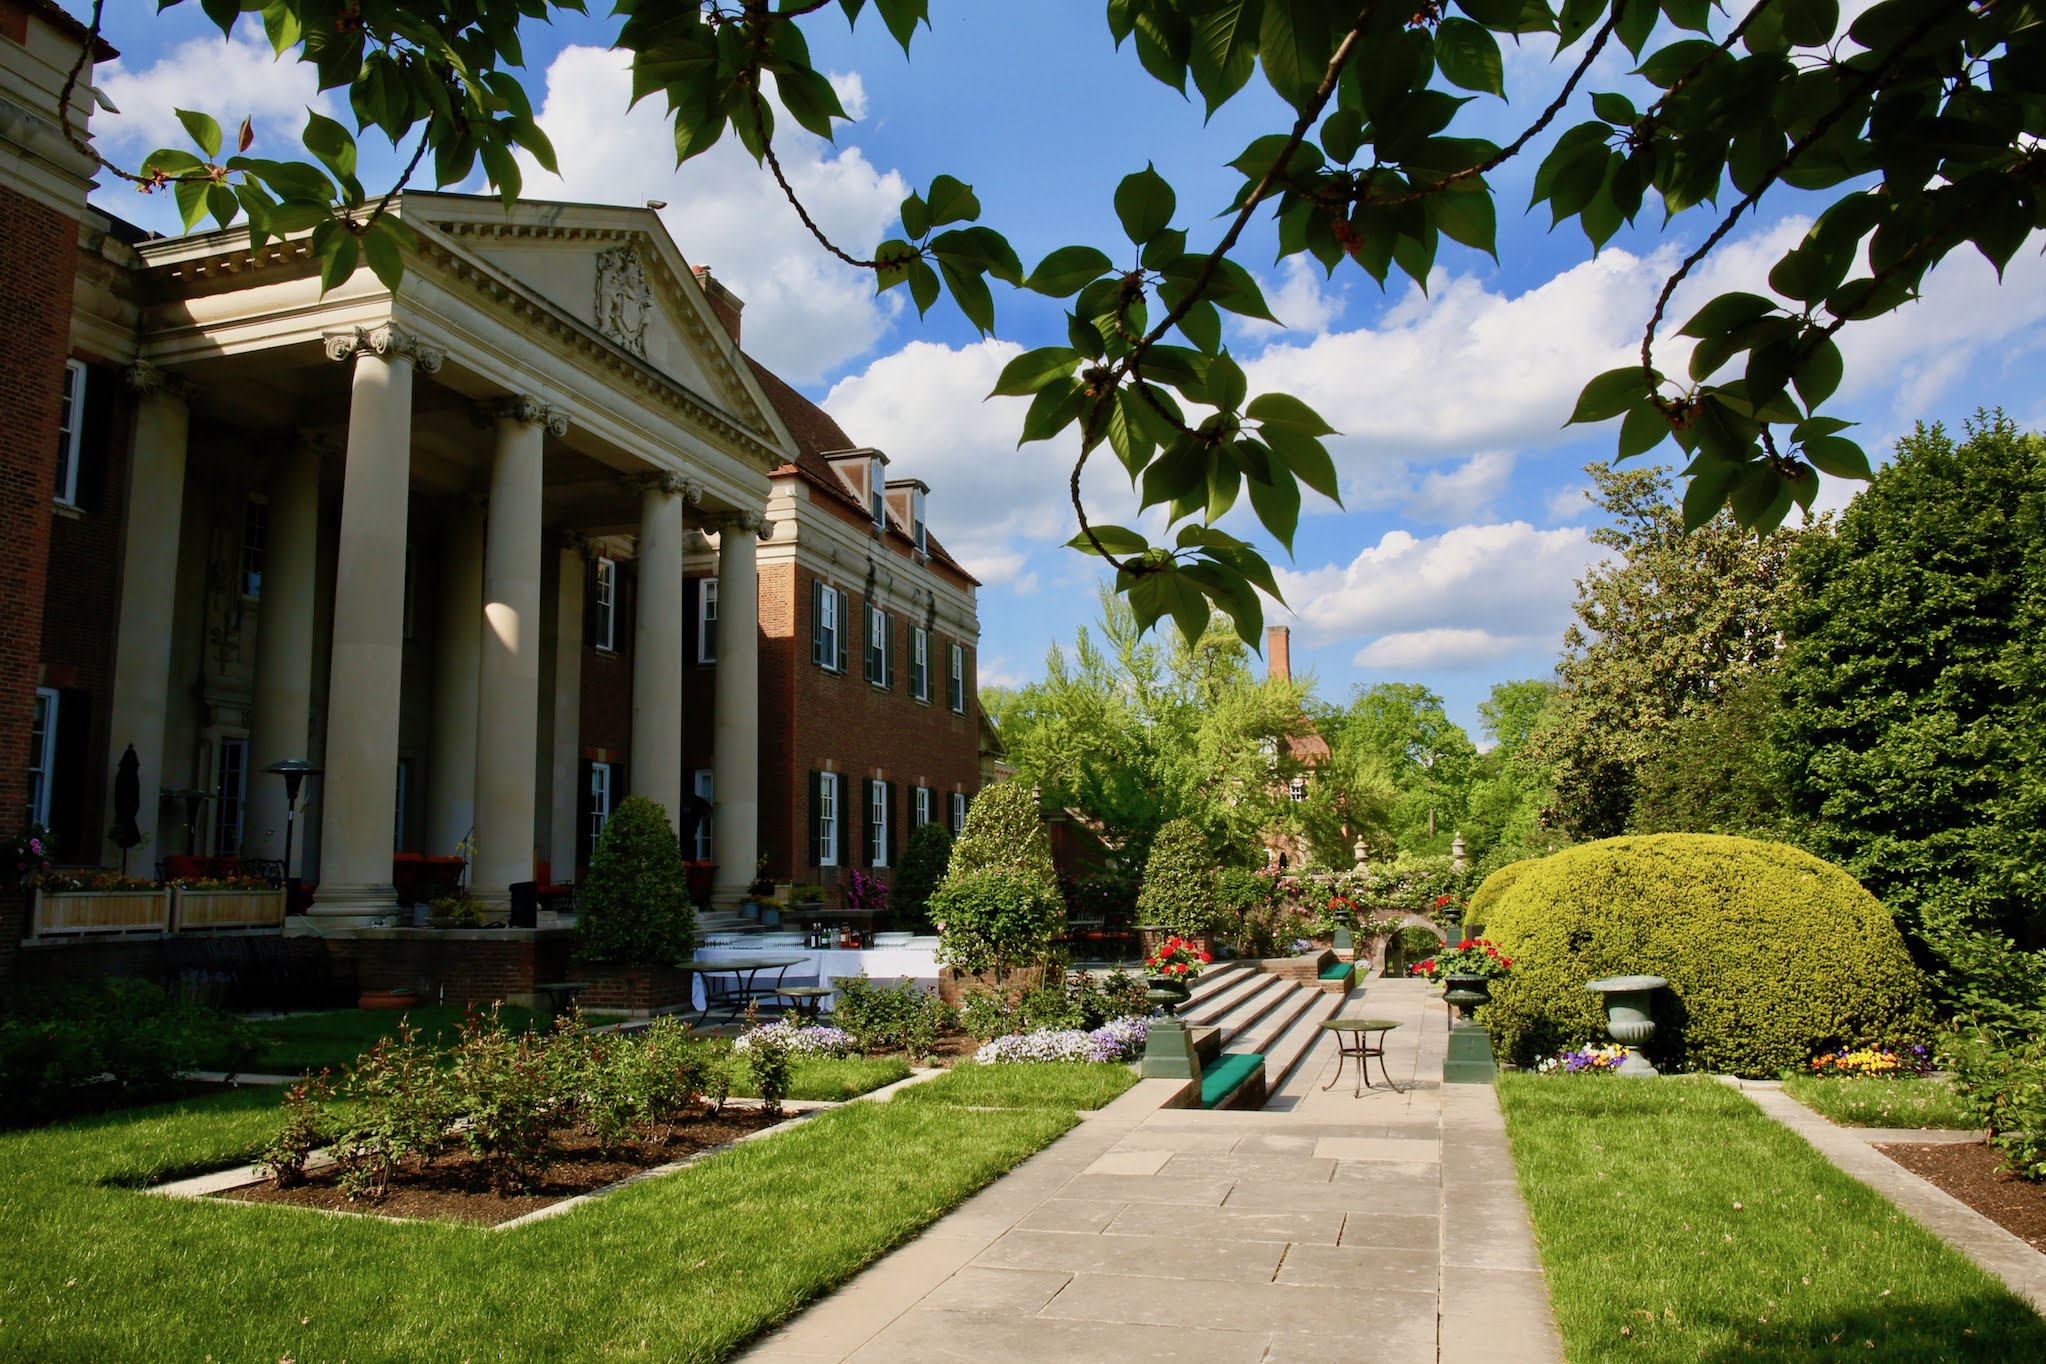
point(1287, 1055)
point(1248, 1010)
point(1219, 991)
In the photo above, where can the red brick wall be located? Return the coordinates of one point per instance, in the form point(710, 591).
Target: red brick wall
point(37, 247)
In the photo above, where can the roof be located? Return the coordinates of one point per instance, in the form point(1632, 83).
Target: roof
point(816, 433)
point(61, 19)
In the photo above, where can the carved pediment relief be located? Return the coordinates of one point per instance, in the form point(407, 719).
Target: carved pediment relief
point(625, 298)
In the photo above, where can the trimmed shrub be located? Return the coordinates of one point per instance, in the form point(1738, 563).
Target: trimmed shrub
point(1004, 831)
point(634, 906)
point(1772, 955)
point(1179, 882)
point(1479, 912)
point(924, 861)
point(996, 919)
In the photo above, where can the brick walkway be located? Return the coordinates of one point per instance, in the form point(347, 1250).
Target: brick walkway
point(1385, 1227)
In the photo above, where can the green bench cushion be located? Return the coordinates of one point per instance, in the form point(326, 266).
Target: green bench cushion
point(1234, 1067)
point(1338, 970)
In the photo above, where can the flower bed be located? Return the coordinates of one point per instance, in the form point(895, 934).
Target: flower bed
point(1121, 1039)
point(815, 1039)
point(1592, 1059)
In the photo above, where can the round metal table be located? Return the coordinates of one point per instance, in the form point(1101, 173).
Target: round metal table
point(1360, 1039)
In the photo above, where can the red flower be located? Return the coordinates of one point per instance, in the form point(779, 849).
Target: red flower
point(1206, 957)
point(1441, 900)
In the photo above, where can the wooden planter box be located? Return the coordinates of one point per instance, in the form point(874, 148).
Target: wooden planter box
point(227, 908)
point(59, 912)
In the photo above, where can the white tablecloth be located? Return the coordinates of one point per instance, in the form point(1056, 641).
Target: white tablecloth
point(822, 965)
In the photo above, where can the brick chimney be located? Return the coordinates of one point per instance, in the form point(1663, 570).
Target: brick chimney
point(726, 304)
point(1278, 653)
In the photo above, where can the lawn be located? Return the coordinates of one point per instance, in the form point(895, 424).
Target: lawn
point(1864, 1101)
point(685, 1267)
point(1677, 1222)
point(831, 1079)
point(1046, 1084)
point(303, 1042)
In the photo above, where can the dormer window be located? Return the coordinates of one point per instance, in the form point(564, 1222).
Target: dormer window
point(916, 505)
point(877, 499)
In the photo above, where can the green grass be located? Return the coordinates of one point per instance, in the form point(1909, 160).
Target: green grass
point(829, 1078)
point(1862, 1101)
point(311, 1041)
point(1677, 1222)
point(685, 1267)
point(1047, 1084)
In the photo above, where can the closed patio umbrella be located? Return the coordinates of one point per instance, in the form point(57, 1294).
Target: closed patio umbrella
point(127, 805)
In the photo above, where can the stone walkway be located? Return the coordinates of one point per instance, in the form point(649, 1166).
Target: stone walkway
point(1385, 1227)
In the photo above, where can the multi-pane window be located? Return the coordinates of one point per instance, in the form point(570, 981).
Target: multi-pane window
point(877, 821)
point(1297, 788)
point(829, 608)
point(230, 797)
point(923, 805)
point(255, 538)
point(705, 789)
point(919, 663)
point(880, 648)
point(955, 682)
point(877, 496)
point(707, 620)
point(827, 819)
point(600, 800)
point(70, 426)
point(958, 812)
point(916, 505)
point(42, 754)
point(604, 629)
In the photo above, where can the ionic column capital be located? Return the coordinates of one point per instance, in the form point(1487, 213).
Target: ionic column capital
point(387, 340)
point(524, 407)
point(744, 522)
point(672, 484)
point(145, 378)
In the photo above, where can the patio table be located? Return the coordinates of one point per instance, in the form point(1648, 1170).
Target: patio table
point(816, 923)
point(1360, 1039)
point(745, 987)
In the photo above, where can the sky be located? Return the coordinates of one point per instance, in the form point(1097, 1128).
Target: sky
point(1464, 524)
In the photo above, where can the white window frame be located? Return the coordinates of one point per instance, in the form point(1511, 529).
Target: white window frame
point(605, 635)
point(916, 513)
point(958, 811)
point(877, 641)
point(42, 756)
point(955, 681)
point(707, 620)
point(827, 819)
point(923, 806)
point(231, 758)
point(70, 431)
point(600, 800)
point(705, 842)
point(877, 816)
point(877, 494)
point(1297, 788)
point(831, 603)
point(920, 663)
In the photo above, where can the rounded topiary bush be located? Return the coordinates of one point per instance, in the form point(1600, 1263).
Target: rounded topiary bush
point(633, 904)
point(1004, 831)
point(1179, 881)
point(1489, 892)
point(1772, 955)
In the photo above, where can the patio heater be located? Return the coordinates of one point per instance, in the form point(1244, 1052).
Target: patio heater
point(294, 771)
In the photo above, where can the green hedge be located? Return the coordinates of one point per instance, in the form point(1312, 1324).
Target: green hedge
point(1772, 955)
point(1478, 913)
point(1179, 882)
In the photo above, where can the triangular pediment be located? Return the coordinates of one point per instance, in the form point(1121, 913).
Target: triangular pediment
point(617, 271)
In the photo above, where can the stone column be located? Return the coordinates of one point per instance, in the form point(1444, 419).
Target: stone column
point(359, 802)
point(657, 645)
point(508, 691)
point(457, 653)
point(280, 721)
point(735, 763)
point(149, 577)
point(564, 785)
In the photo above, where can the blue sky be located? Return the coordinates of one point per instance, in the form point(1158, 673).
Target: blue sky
point(1453, 561)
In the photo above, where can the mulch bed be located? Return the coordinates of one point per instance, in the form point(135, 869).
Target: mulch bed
point(1973, 1172)
point(456, 1187)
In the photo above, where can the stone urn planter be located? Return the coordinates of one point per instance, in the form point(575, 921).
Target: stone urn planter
point(1167, 993)
point(1629, 1018)
point(1469, 1058)
point(1466, 993)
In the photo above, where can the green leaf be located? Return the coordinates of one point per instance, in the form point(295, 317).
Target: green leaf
point(338, 262)
point(221, 203)
point(1838, 457)
point(1055, 407)
point(191, 197)
point(1609, 395)
point(1287, 413)
point(1067, 270)
point(1616, 109)
point(1710, 480)
point(1726, 312)
point(380, 249)
point(1032, 370)
point(970, 292)
point(980, 249)
point(1277, 504)
point(1145, 203)
point(1225, 480)
point(916, 217)
point(330, 142)
point(1469, 57)
point(1643, 429)
point(1818, 374)
point(1114, 540)
point(1466, 218)
point(924, 286)
point(1226, 383)
point(951, 202)
point(202, 129)
point(1223, 53)
point(1307, 458)
point(1175, 474)
point(1295, 44)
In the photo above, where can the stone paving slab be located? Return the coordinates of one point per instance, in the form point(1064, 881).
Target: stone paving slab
point(1315, 1230)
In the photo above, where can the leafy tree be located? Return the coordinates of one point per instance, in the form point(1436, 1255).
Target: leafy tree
point(1663, 628)
point(633, 905)
point(1910, 130)
point(1004, 831)
point(1718, 770)
point(1915, 688)
point(924, 861)
point(1179, 882)
point(1403, 728)
point(1513, 711)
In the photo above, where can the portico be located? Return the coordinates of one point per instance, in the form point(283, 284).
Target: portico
point(365, 527)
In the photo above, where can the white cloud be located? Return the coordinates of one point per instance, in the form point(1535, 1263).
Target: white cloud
point(999, 672)
point(229, 79)
point(1443, 647)
point(1303, 298)
point(1474, 592)
point(1569, 503)
point(1464, 493)
point(806, 313)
